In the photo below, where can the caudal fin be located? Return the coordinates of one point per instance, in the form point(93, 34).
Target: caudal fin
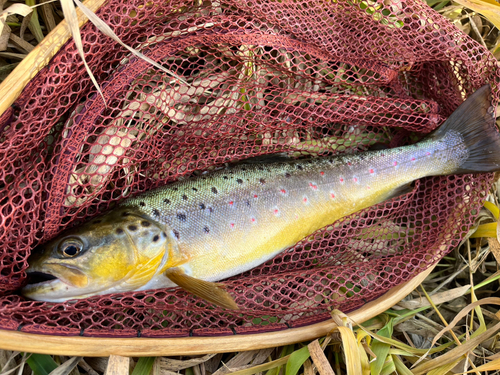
point(474, 120)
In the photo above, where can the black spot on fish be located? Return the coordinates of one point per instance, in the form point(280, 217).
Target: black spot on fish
point(260, 168)
point(194, 189)
point(225, 177)
point(175, 189)
point(210, 209)
point(125, 214)
point(262, 181)
point(132, 228)
point(214, 190)
point(156, 238)
point(288, 175)
point(239, 181)
point(163, 234)
point(176, 234)
point(156, 212)
point(166, 201)
point(202, 206)
point(185, 197)
point(300, 167)
point(119, 230)
point(181, 217)
point(145, 223)
point(142, 204)
point(247, 202)
point(206, 229)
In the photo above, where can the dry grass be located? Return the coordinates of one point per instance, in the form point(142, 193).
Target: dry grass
point(450, 324)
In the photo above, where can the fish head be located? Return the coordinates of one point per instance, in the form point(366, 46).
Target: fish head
point(118, 252)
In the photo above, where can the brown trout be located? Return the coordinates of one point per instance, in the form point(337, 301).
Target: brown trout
point(194, 232)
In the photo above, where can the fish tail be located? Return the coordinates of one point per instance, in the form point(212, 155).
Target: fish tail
point(474, 120)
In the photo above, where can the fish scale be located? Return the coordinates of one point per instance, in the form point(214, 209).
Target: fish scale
point(226, 227)
point(210, 227)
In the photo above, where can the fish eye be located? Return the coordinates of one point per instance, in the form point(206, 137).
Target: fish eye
point(71, 247)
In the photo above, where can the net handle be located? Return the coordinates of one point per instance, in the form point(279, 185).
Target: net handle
point(140, 347)
point(14, 84)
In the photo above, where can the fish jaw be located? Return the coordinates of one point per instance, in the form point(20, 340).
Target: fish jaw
point(62, 283)
point(67, 282)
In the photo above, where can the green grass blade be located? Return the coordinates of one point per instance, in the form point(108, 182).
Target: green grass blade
point(274, 370)
point(389, 366)
point(285, 353)
point(440, 5)
point(296, 360)
point(489, 280)
point(144, 366)
point(41, 364)
point(400, 366)
point(381, 349)
point(36, 29)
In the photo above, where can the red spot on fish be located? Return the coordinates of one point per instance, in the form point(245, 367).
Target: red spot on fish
point(276, 211)
point(395, 163)
point(413, 159)
point(341, 179)
point(349, 163)
point(283, 191)
point(314, 187)
point(427, 153)
point(368, 187)
point(322, 173)
point(355, 179)
point(255, 196)
point(332, 195)
point(253, 220)
point(372, 171)
point(304, 200)
point(231, 203)
point(232, 225)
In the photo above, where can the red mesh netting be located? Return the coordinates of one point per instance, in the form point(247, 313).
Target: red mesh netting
point(262, 77)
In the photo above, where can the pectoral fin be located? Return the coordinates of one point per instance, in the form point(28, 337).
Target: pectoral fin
point(212, 292)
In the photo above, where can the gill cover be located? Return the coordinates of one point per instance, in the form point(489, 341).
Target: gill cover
point(118, 252)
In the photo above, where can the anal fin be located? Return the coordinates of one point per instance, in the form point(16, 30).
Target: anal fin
point(212, 292)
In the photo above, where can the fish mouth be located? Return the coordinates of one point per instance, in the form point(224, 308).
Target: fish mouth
point(54, 283)
point(36, 277)
point(44, 286)
point(40, 283)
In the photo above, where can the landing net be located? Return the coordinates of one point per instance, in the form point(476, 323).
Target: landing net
point(303, 77)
